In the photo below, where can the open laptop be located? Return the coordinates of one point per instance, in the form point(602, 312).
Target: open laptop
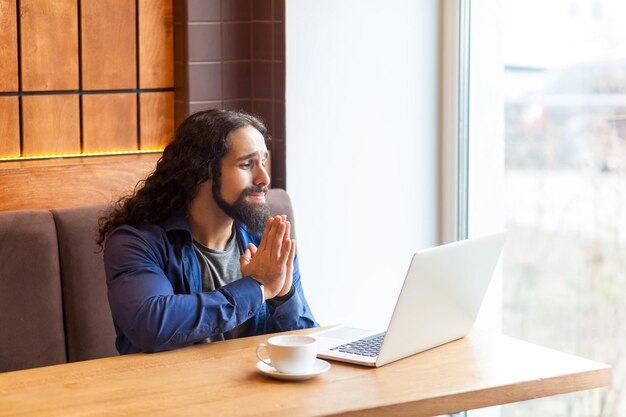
point(439, 301)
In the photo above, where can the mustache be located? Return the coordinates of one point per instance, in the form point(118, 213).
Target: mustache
point(254, 190)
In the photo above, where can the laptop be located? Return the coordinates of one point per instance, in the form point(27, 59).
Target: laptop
point(440, 299)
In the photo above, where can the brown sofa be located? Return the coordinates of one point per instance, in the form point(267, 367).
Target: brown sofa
point(53, 302)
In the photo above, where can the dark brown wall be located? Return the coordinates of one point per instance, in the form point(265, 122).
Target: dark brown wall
point(231, 54)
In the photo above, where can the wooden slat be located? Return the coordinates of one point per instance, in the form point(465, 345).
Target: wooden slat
point(51, 124)
point(156, 44)
point(71, 182)
point(9, 127)
point(49, 44)
point(157, 119)
point(108, 44)
point(109, 122)
point(8, 46)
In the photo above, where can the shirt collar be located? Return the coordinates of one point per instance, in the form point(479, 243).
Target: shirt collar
point(178, 222)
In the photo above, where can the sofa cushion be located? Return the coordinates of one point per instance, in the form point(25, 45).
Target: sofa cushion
point(279, 203)
point(31, 311)
point(88, 321)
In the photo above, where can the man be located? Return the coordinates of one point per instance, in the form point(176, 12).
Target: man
point(193, 255)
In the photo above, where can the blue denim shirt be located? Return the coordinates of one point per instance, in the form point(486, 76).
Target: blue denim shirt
point(155, 291)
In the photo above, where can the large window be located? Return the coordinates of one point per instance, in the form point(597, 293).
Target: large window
point(556, 171)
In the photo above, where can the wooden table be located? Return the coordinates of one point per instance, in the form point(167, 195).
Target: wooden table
point(220, 379)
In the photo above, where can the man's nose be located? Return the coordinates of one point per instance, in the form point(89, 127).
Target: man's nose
point(262, 176)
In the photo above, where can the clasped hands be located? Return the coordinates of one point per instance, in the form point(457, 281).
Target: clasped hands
point(272, 262)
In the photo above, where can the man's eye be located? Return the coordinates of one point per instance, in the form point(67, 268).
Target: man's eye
point(246, 165)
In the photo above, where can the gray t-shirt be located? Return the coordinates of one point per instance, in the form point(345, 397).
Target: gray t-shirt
point(219, 268)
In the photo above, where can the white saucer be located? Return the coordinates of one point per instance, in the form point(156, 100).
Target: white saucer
point(319, 367)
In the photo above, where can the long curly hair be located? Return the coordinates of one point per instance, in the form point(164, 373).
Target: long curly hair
point(191, 158)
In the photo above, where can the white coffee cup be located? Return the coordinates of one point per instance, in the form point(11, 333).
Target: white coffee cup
point(289, 354)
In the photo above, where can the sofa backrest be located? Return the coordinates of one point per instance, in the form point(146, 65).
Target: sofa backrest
point(53, 294)
point(88, 324)
point(31, 307)
point(280, 203)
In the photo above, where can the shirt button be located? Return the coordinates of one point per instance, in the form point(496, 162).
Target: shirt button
point(250, 312)
point(217, 330)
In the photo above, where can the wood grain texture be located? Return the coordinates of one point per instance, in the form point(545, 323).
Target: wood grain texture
point(156, 119)
point(156, 44)
point(51, 124)
point(8, 46)
point(109, 122)
point(108, 46)
point(478, 371)
point(9, 127)
point(49, 44)
point(71, 182)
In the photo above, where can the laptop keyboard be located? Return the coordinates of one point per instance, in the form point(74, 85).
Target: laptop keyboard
point(369, 346)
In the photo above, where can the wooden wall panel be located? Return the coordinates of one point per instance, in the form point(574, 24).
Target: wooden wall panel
point(156, 44)
point(51, 124)
point(9, 127)
point(8, 46)
point(109, 122)
point(156, 118)
point(49, 44)
point(71, 182)
point(108, 46)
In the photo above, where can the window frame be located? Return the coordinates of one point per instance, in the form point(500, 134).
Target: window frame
point(454, 143)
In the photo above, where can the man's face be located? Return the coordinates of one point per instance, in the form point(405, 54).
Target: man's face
point(241, 191)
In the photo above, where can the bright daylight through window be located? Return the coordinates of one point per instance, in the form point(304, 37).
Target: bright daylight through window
point(562, 96)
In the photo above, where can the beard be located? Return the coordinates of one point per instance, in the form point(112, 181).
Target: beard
point(253, 215)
